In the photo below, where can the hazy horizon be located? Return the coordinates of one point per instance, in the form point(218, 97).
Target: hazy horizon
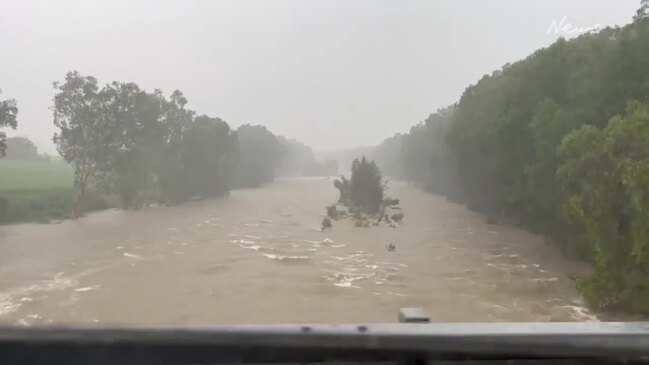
point(331, 74)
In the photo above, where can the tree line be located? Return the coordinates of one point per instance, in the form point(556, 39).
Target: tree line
point(557, 143)
point(144, 146)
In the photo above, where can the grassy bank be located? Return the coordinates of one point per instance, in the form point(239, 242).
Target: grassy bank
point(35, 175)
point(39, 191)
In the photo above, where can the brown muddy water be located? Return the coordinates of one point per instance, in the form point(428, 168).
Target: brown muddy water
point(259, 257)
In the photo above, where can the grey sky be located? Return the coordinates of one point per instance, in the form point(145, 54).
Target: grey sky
point(333, 74)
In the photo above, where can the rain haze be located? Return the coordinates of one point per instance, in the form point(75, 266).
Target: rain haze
point(200, 163)
point(305, 69)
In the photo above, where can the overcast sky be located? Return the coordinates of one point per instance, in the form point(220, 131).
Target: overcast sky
point(332, 74)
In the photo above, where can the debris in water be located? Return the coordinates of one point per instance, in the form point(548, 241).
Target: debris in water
point(396, 294)
point(285, 257)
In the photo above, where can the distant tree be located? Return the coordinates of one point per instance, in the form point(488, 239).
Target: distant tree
point(643, 11)
point(425, 154)
point(296, 159)
point(388, 156)
point(134, 115)
point(8, 113)
point(144, 147)
point(87, 135)
point(208, 155)
point(260, 153)
point(364, 196)
point(21, 148)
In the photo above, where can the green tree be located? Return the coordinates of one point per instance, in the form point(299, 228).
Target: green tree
point(208, 156)
point(176, 119)
point(87, 136)
point(425, 154)
point(606, 173)
point(8, 114)
point(138, 134)
point(143, 147)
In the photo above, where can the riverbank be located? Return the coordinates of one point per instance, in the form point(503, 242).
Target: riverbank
point(40, 191)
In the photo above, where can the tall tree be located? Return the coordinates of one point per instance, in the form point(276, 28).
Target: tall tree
point(8, 113)
point(138, 132)
point(87, 135)
point(297, 157)
point(208, 156)
point(176, 119)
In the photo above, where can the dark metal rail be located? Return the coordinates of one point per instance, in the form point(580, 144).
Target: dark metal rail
point(402, 343)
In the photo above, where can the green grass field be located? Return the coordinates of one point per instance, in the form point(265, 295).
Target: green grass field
point(39, 191)
point(35, 175)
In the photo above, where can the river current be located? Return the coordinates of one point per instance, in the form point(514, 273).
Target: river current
point(259, 257)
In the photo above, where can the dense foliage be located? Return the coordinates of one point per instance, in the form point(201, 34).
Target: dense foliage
point(606, 175)
point(363, 191)
point(362, 197)
point(559, 144)
point(145, 147)
point(366, 186)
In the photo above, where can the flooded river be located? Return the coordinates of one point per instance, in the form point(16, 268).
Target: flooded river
point(259, 257)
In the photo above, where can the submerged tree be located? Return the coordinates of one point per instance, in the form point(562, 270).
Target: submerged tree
point(366, 187)
point(343, 189)
point(364, 196)
point(363, 192)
